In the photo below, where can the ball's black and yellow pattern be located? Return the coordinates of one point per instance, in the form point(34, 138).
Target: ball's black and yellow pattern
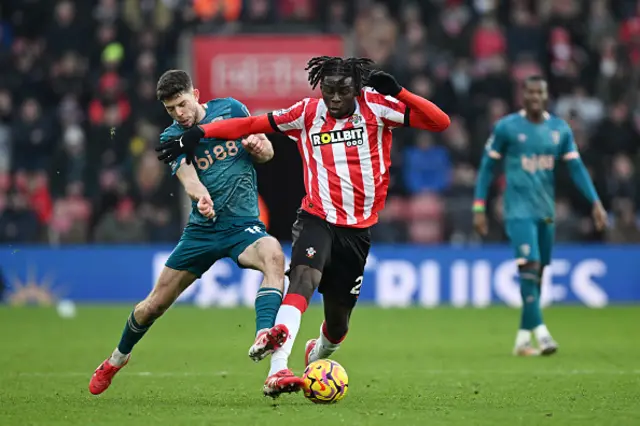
point(325, 382)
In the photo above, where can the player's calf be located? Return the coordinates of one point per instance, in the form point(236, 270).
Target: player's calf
point(304, 281)
point(265, 255)
point(169, 286)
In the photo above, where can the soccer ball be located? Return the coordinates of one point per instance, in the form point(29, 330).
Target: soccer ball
point(325, 382)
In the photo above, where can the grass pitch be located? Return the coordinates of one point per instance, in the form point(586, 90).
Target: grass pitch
point(406, 367)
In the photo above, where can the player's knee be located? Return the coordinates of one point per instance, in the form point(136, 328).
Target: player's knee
point(274, 262)
point(150, 309)
point(272, 257)
point(530, 267)
point(304, 281)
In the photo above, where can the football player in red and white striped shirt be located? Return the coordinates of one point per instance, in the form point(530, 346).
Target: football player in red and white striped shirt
point(344, 140)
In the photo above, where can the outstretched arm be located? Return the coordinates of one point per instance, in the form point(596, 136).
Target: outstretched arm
point(423, 114)
point(236, 128)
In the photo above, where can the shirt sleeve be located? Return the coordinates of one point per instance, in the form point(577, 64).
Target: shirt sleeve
point(289, 121)
point(238, 109)
point(568, 147)
point(497, 143)
point(390, 110)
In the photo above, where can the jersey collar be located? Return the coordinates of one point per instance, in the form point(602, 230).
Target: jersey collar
point(545, 114)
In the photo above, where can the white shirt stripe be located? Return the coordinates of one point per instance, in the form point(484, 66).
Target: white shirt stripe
point(342, 170)
point(323, 178)
point(366, 166)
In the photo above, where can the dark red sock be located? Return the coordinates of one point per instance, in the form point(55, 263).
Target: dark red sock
point(329, 338)
point(297, 301)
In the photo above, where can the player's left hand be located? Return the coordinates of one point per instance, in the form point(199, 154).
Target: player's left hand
point(600, 217)
point(384, 83)
point(205, 207)
point(185, 144)
point(253, 144)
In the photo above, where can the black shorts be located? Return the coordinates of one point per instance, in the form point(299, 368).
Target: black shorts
point(339, 253)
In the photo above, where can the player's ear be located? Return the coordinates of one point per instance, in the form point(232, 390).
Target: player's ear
point(196, 94)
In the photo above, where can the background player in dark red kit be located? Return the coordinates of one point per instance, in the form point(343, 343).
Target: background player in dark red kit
point(344, 140)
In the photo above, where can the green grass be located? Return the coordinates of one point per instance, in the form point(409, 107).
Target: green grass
point(406, 367)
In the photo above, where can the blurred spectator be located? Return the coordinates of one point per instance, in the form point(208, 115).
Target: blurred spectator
point(622, 181)
point(70, 223)
point(567, 224)
point(625, 224)
point(427, 166)
point(121, 225)
point(79, 116)
point(18, 222)
point(33, 137)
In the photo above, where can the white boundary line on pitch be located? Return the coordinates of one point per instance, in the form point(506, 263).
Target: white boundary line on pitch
point(246, 373)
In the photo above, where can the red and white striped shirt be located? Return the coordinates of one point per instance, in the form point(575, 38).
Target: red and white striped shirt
point(346, 161)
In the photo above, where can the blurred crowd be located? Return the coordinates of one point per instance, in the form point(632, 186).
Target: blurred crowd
point(79, 118)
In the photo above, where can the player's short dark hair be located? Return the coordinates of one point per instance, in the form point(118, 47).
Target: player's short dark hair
point(535, 78)
point(172, 83)
point(324, 66)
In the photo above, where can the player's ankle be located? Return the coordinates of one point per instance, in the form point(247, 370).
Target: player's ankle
point(541, 332)
point(523, 338)
point(329, 339)
point(278, 364)
point(117, 358)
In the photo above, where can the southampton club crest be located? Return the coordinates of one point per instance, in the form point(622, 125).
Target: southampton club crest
point(555, 136)
point(311, 252)
point(355, 119)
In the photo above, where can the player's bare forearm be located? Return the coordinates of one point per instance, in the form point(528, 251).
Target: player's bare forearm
point(189, 178)
point(424, 114)
point(236, 128)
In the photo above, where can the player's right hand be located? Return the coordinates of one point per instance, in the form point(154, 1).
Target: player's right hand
point(185, 144)
point(480, 223)
point(205, 206)
point(600, 217)
point(384, 83)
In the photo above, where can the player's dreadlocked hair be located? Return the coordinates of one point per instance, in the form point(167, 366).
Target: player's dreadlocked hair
point(356, 68)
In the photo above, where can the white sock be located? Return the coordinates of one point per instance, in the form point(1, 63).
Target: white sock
point(291, 317)
point(118, 358)
point(541, 332)
point(324, 348)
point(523, 338)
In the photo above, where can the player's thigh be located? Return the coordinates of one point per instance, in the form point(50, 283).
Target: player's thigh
point(312, 242)
point(343, 278)
point(263, 253)
point(523, 234)
point(546, 238)
point(195, 252)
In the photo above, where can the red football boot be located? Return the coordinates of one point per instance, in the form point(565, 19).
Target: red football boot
point(284, 381)
point(268, 341)
point(103, 376)
point(308, 349)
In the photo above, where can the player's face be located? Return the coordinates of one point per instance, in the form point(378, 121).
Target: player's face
point(339, 95)
point(535, 96)
point(183, 108)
